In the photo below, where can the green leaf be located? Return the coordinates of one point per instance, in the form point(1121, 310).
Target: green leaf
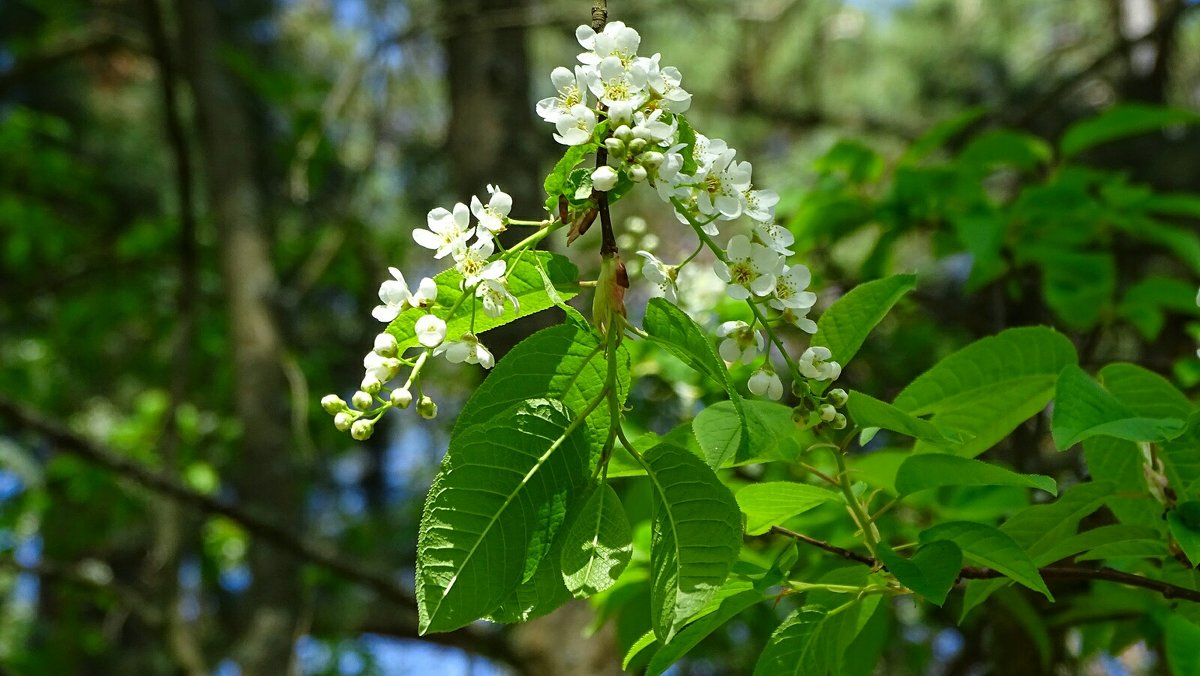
point(1084, 409)
point(1181, 640)
point(501, 494)
point(1184, 522)
point(931, 572)
point(545, 591)
point(695, 539)
point(989, 387)
point(868, 411)
point(673, 329)
point(1119, 122)
point(1078, 286)
point(1037, 529)
point(990, 547)
point(812, 641)
point(735, 596)
point(1127, 549)
point(845, 325)
point(940, 133)
point(1145, 392)
point(560, 362)
point(933, 470)
point(854, 160)
point(1030, 621)
point(1090, 540)
point(598, 545)
point(1004, 147)
point(1147, 303)
point(556, 180)
point(773, 502)
point(687, 136)
point(524, 282)
point(772, 434)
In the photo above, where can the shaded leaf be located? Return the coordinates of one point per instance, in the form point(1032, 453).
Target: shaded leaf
point(1084, 409)
point(931, 572)
point(598, 545)
point(932, 470)
point(990, 547)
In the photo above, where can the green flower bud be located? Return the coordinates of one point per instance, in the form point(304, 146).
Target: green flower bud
point(361, 430)
point(426, 407)
point(343, 420)
point(839, 422)
point(332, 404)
point(838, 397)
point(401, 397)
point(828, 413)
point(362, 400)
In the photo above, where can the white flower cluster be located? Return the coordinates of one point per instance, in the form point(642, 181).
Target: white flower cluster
point(473, 249)
point(645, 142)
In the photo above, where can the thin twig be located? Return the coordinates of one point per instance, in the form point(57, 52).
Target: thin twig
point(1166, 589)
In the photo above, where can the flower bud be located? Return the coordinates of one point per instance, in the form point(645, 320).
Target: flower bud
point(604, 178)
point(370, 384)
point(386, 345)
point(651, 159)
point(624, 133)
point(343, 420)
point(637, 173)
point(332, 404)
point(361, 430)
point(615, 146)
point(362, 400)
point(401, 397)
point(839, 422)
point(838, 397)
point(828, 412)
point(636, 146)
point(426, 407)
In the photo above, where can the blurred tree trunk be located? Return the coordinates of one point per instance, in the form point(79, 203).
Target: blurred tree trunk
point(494, 138)
point(266, 478)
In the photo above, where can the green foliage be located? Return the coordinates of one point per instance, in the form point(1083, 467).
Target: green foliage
point(696, 537)
point(1084, 409)
point(990, 547)
point(773, 503)
point(501, 495)
point(458, 309)
point(933, 470)
point(1121, 122)
point(846, 324)
point(930, 572)
point(598, 545)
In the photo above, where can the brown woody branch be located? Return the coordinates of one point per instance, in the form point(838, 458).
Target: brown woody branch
point(1165, 589)
point(475, 639)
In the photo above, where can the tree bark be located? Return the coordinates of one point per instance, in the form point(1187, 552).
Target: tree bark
point(266, 477)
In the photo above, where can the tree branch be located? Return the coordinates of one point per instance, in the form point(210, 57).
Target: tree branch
point(1166, 589)
point(473, 638)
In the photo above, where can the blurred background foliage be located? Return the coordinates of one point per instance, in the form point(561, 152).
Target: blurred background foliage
point(199, 200)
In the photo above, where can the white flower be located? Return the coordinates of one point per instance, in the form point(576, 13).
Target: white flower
point(814, 364)
point(575, 128)
point(493, 217)
point(764, 382)
point(616, 40)
point(466, 349)
point(472, 263)
point(760, 205)
point(799, 318)
point(380, 368)
point(789, 289)
point(827, 412)
point(661, 275)
point(571, 92)
point(494, 294)
point(652, 128)
point(431, 330)
point(721, 186)
point(664, 82)
point(751, 269)
point(621, 90)
point(741, 344)
point(447, 231)
point(395, 296)
point(776, 237)
point(604, 178)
